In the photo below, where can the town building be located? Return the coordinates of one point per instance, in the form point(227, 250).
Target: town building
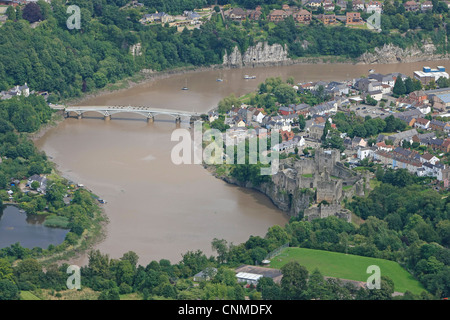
point(237, 14)
point(411, 6)
point(358, 5)
point(428, 74)
point(328, 5)
point(248, 278)
point(426, 6)
point(314, 4)
point(158, 17)
point(374, 7)
point(327, 18)
point(302, 16)
point(275, 274)
point(354, 18)
point(422, 123)
point(15, 92)
point(277, 16)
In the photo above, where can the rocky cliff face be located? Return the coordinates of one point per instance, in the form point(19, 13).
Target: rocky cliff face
point(290, 204)
point(390, 53)
point(136, 49)
point(262, 54)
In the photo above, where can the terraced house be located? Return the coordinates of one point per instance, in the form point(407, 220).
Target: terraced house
point(302, 16)
point(358, 5)
point(327, 18)
point(354, 18)
point(411, 6)
point(277, 15)
point(374, 7)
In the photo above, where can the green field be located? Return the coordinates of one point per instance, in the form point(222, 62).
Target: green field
point(27, 295)
point(347, 266)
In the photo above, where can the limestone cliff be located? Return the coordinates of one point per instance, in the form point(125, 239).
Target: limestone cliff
point(290, 203)
point(262, 54)
point(136, 49)
point(390, 53)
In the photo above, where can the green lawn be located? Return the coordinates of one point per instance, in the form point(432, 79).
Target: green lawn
point(347, 266)
point(271, 25)
point(374, 183)
point(27, 295)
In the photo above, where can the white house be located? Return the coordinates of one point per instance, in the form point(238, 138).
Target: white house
point(377, 95)
point(213, 116)
point(364, 153)
point(358, 5)
point(15, 91)
point(280, 125)
point(425, 109)
point(422, 123)
point(427, 157)
point(374, 7)
point(258, 116)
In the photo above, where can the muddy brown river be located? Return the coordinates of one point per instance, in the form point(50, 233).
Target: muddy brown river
point(158, 209)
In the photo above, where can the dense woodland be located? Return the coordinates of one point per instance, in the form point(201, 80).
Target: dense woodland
point(405, 220)
point(20, 160)
point(68, 63)
point(20, 156)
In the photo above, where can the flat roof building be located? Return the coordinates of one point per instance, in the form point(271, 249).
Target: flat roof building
point(250, 278)
point(427, 74)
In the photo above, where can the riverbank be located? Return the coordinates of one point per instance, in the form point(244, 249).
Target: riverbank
point(95, 230)
point(57, 118)
point(276, 195)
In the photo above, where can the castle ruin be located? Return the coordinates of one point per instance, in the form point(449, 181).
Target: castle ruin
point(326, 176)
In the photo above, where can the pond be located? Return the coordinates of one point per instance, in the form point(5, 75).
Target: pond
point(29, 231)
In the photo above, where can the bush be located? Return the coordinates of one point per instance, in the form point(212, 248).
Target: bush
point(125, 288)
point(57, 222)
point(26, 286)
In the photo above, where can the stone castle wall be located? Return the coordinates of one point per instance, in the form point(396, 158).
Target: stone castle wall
point(325, 211)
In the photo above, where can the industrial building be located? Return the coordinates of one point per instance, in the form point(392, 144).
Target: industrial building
point(429, 74)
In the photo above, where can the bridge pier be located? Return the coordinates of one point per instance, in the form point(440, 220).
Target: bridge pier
point(108, 111)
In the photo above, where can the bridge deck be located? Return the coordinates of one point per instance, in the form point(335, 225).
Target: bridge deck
point(136, 109)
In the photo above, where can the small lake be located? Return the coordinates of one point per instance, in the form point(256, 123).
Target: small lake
point(29, 231)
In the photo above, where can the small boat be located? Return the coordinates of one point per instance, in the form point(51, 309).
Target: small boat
point(219, 80)
point(249, 77)
point(371, 70)
point(185, 86)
